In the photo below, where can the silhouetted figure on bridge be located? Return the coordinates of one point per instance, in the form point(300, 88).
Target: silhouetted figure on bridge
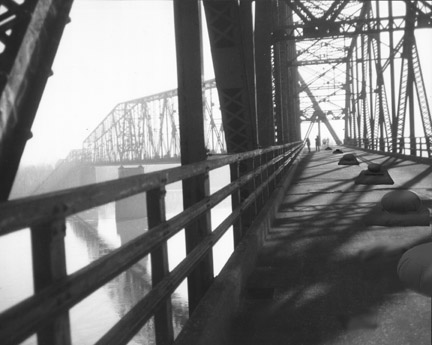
point(317, 143)
point(401, 145)
point(366, 143)
point(308, 144)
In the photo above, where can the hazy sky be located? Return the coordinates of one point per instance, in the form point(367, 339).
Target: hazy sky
point(112, 51)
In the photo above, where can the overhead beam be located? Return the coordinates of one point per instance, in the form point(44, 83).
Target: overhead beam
point(350, 27)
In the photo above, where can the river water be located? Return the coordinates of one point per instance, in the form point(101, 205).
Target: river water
point(91, 235)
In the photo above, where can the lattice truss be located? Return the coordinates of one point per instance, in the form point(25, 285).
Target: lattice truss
point(358, 60)
point(147, 129)
point(321, 44)
point(385, 77)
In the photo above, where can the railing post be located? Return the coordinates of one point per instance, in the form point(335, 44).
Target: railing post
point(236, 200)
point(159, 266)
point(413, 146)
point(49, 265)
point(272, 170)
point(264, 179)
point(260, 180)
point(248, 214)
point(253, 184)
point(241, 168)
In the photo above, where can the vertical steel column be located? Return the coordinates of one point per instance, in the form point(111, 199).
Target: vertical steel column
point(293, 122)
point(49, 265)
point(410, 95)
point(371, 120)
point(364, 118)
point(159, 266)
point(358, 94)
point(348, 121)
point(278, 56)
point(392, 78)
point(285, 75)
point(263, 30)
point(192, 143)
point(293, 111)
point(231, 39)
point(380, 84)
point(353, 100)
point(230, 42)
point(247, 34)
point(409, 42)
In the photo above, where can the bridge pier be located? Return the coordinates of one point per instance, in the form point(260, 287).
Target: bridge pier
point(134, 207)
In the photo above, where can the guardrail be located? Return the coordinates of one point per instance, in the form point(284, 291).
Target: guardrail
point(46, 312)
point(407, 146)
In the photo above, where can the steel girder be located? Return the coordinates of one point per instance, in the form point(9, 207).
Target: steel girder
point(30, 31)
point(232, 72)
point(285, 81)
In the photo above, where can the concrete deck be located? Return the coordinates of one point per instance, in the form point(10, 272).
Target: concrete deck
point(324, 276)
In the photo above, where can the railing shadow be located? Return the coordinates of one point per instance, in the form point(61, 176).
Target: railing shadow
point(323, 277)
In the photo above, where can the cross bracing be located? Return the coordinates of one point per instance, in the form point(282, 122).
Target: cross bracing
point(361, 61)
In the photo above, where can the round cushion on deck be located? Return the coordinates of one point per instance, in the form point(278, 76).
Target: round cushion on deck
point(349, 157)
point(415, 269)
point(401, 201)
point(338, 151)
point(373, 167)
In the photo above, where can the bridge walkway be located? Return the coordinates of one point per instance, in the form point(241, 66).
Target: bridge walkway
point(325, 275)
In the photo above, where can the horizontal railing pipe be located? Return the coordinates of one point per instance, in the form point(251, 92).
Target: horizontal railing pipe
point(54, 300)
point(121, 333)
point(21, 213)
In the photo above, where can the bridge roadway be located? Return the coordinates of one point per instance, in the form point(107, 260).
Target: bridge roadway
point(324, 274)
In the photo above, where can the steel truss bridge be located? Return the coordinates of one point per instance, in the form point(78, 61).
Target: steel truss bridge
point(353, 61)
point(369, 71)
point(284, 62)
point(147, 130)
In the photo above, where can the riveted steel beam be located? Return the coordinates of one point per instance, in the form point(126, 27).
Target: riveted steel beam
point(30, 32)
point(231, 72)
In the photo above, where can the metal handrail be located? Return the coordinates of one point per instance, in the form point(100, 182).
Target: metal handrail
point(48, 210)
point(416, 146)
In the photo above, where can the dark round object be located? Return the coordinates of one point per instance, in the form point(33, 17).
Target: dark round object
point(401, 201)
point(415, 269)
point(349, 157)
point(373, 167)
